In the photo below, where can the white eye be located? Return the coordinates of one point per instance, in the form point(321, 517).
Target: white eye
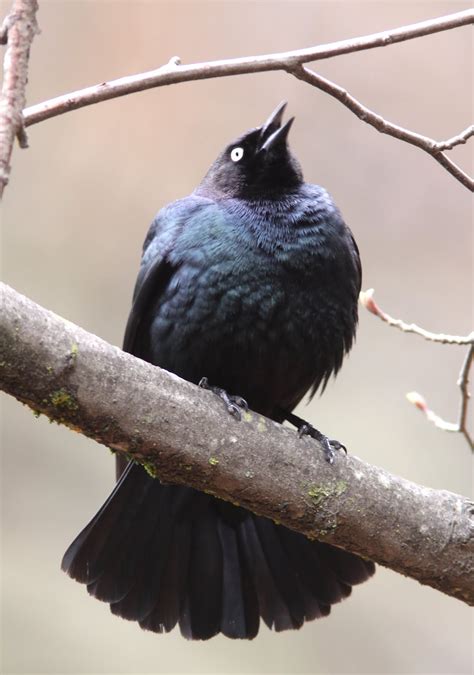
point(236, 154)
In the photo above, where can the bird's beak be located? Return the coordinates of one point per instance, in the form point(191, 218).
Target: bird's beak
point(272, 133)
point(277, 137)
point(273, 122)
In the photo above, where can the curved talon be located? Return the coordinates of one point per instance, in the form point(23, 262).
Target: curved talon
point(234, 411)
point(239, 402)
point(234, 404)
point(329, 445)
point(336, 445)
point(304, 430)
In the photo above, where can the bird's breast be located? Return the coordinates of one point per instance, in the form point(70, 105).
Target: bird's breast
point(252, 324)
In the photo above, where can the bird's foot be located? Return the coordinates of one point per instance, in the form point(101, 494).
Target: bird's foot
point(234, 404)
point(329, 445)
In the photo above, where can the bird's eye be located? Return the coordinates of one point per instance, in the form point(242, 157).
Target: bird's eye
point(236, 154)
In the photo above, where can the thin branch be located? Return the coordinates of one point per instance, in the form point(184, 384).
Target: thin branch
point(459, 427)
point(291, 62)
point(460, 139)
point(17, 32)
point(463, 384)
point(427, 144)
point(420, 402)
point(367, 300)
point(184, 435)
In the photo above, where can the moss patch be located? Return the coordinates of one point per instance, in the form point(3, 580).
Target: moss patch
point(63, 399)
point(261, 425)
point(319, 493)
point(150, 469)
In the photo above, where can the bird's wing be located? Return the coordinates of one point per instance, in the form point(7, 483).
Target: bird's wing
point(159, 263)
point(156, 270)
point(148, 289)
point(357, 262)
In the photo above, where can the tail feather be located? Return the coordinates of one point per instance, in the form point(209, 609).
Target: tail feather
point(121, 563)
point(163, 555)
point(322, 581)
point(234, 620)
point(350, 568)
point(250, 596)
point(82, 560)
point(149, 550)
point(282, 571)
point(204, 588)
point(273, 610)
point(167, 599)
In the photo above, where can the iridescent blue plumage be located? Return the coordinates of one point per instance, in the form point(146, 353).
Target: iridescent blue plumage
point(252, 282)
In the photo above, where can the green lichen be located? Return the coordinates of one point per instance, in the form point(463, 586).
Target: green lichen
point(74, 350)
point(261, 425)
point(150, 469)
point(319, 493)
point(213, 461)
point(325, 531)
point(63, 399)
point(246, 416)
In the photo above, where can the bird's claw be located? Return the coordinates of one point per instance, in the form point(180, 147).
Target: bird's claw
point(234, 404)
point(329, 445)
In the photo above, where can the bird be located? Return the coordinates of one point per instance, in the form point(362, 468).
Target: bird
point(248, 286)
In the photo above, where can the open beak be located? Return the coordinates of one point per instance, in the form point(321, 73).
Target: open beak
point(272, 133)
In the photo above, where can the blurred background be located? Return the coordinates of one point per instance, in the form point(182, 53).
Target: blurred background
point(74, 217)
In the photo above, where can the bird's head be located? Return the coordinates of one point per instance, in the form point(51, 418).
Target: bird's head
point(258, 163)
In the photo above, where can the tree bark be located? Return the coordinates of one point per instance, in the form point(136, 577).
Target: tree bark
point(17, 32)
point(184, 435)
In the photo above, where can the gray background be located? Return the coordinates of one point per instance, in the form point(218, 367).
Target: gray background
point(74, 217)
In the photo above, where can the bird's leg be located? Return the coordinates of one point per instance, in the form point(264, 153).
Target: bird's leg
point(305, 429)
point(234, 404)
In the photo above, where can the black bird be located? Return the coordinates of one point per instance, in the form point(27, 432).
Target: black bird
point(251, 282)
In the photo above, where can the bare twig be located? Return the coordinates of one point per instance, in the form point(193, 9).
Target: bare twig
point(427, 144)
point(17, 32)
point(420, 402)
point(463, 384)
point(184, 435)
point(367, 300)
point(460, 426)
point(292, 62)
point(460, 139)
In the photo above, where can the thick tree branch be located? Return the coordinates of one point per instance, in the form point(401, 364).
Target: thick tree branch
point(183, 435)
point(291, 62)
point(17, 32)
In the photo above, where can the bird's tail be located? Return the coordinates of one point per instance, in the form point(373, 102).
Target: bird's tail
point(162, 555)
